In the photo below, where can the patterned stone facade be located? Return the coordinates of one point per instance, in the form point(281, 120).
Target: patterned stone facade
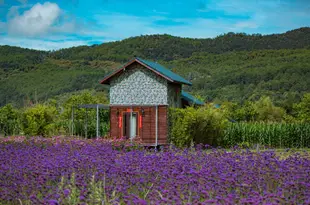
point(138, 86)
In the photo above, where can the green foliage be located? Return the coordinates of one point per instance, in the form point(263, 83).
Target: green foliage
point(50, 79)
point(70, 193)
point(40, 120)
point(261, 110)
point(259, 78)
point(55, 116)
point(283, 75)
point(199, 125)
point(279, 135)
point(68, 190)
point(302, 109)
point(75, 100)
point(15, 59)
point(85, 119)
point(232, 67)
point(180, 130)
point(167, 47)
point(98, 192)
point(266, 111)
point(9, 120)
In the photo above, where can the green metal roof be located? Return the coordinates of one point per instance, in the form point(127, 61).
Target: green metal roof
point(164, 71)
point(188, 97)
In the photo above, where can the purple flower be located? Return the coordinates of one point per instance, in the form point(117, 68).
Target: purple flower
point(33, 170)
point(52, 202)
point(66, 192)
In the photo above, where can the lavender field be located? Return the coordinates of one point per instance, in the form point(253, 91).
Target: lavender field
point(63, 171)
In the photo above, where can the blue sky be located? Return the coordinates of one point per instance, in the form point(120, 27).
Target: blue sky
point(51, 25)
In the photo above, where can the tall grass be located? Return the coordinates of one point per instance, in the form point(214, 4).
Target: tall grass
point(278, 135)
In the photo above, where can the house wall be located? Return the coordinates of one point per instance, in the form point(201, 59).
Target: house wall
point(174, 95)
point(147, 132)
point(138, 86)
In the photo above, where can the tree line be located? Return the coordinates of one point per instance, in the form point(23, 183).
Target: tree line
point(54, 117)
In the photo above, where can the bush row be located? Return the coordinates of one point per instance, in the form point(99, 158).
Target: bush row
point(208, 125)
point(55, 118)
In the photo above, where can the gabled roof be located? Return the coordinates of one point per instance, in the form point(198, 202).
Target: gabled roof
point(191, 99)
point(155, 67)
point(165, 71)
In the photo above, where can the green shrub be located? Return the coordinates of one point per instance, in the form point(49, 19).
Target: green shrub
point(199, 125)
point(9, 120)
point(40, 120)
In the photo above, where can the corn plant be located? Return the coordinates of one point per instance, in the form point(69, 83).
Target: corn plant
point(278, 135)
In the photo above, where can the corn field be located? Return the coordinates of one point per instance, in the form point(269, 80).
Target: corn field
point(277, 135)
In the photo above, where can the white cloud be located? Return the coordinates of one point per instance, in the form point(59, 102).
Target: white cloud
point(200, 28)
point(65, 27)
point(41, 44)
point(268, 16)
point(245, 24)
point(36, 21)
point(14, 10)
point(120, 26)
point(51, 24)
point(113, 27)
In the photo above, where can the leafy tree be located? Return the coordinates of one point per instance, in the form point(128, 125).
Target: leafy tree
point(40, 120)
point(244, 112)
point(266, 111)
point(302, 109)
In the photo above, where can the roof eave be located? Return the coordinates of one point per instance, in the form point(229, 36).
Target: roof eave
point(191, 99)
point(185, 83)
point(105, 79)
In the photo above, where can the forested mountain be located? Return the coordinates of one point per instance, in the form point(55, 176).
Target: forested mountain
point(15, 59)
point(231, 67)
point(166, 47)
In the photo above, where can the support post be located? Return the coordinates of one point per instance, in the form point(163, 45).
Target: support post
point(97, 125)
point(156, 126)
point(130, 124)
point(86, 123)
point(72, 120)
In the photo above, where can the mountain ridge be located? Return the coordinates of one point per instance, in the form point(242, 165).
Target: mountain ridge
point(153, 46)
point(220, 68)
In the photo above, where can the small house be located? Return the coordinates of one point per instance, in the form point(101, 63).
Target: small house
point(141, 92)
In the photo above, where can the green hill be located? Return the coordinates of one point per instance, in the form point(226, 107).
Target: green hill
point(231, 67)
point(166, 47)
